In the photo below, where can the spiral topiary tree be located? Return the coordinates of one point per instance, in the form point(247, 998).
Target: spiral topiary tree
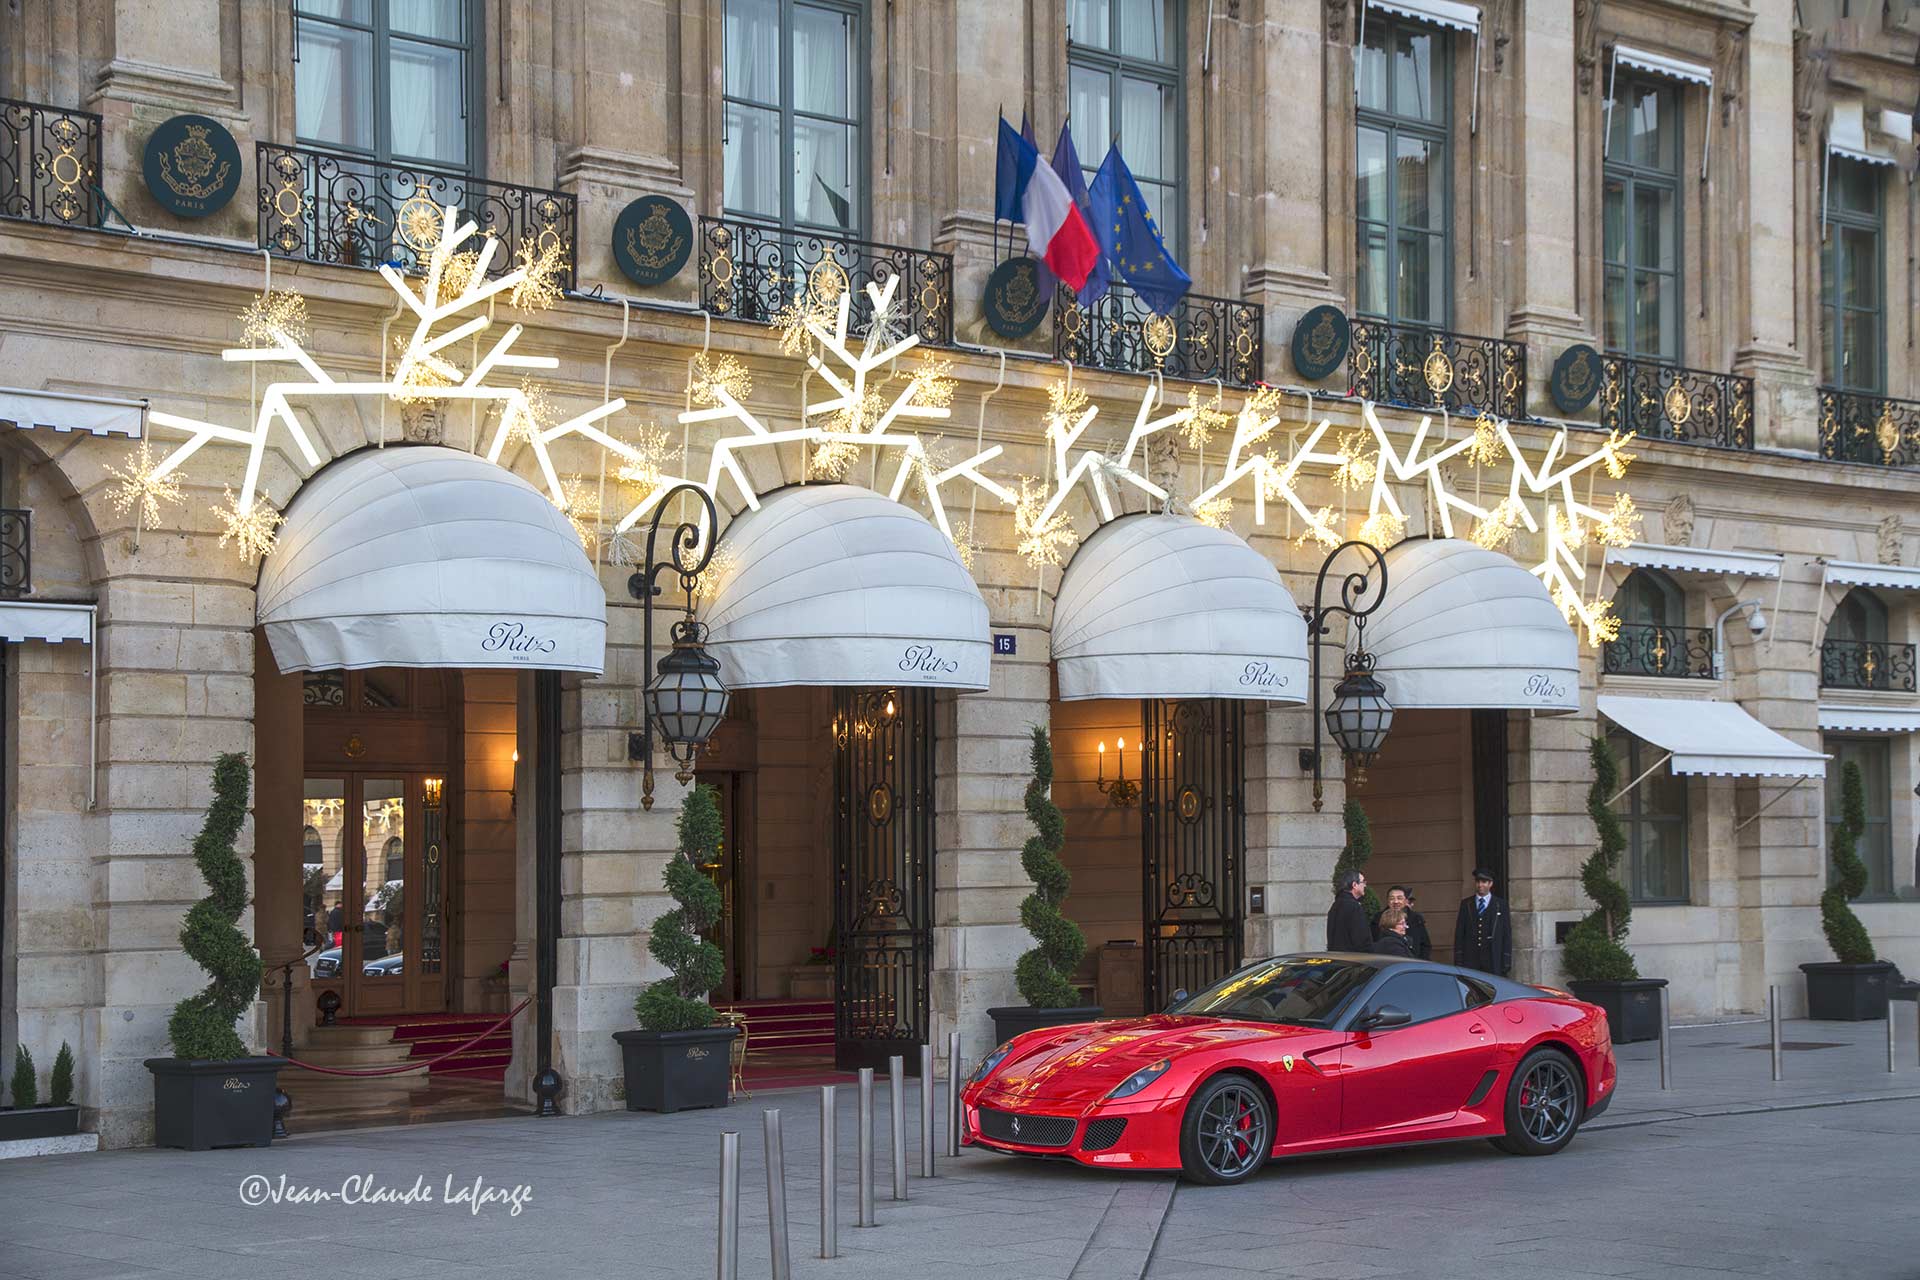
point(202, 1025)
point(1845, 934)
point(1359, 847)
point(679, 1002)
point(1044, 975)
point(1593, 950)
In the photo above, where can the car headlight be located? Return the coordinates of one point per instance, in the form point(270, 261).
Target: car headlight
point(988, 1063)
point(1140, 1080)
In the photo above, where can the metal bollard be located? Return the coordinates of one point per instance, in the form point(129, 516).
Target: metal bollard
point(729, 1257)
point(1893, 1053)
point(897, 1115)
point(829, 1183)
point(1773, 1028)
point(866, 1148)
point(776, 1195)
point(926, 1107)
point(1666, 1056)
point(955, 1116)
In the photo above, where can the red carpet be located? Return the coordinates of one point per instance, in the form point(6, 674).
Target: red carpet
point(428, 1035)
point(789, 1044)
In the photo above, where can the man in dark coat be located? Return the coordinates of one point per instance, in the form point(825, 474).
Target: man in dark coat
point(1393, 934)
point(1347, 928)
point(1419, 942)
point(1483, 933)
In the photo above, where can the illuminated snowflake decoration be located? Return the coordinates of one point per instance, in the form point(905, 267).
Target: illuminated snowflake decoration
point(580, 503)
point(140, 490)
point(272, 313)
point(653, 453)
point(540, 269)
point(1215, 512)
point(712, 375)
point(1205, 419)
point(1043, 536)
point(252, 526)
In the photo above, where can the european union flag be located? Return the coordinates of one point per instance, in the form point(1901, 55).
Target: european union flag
point(1127, 234)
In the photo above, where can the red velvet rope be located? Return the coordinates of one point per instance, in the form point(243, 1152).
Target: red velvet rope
point(414, 1066)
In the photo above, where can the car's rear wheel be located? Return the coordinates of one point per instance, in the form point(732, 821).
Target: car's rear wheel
point(1227, 1133)
point(1544, 1105)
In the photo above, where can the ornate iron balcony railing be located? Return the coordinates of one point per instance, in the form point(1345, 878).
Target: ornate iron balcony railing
point(1204, 337)
point(341, 209)
point(753, 270)
point(16, 552)
point(1667, 402)
point(1426, 368)
point(1866, 664)
point(1858, 427)
point(49, 164)
point(1650, 649)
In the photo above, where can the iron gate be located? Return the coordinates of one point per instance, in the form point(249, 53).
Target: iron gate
point(883, 873)
point(1194, 839)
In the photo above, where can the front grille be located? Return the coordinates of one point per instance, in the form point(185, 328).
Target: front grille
point(1102, 1134)
point(1029, 1131)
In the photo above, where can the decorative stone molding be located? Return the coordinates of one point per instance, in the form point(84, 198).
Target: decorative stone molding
point(1807, 74)
point(1730, 69)
point(1586, 42)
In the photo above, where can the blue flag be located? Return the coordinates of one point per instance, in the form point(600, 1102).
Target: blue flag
point(1130, 240)
point(1066, 163)
point(1006, 177)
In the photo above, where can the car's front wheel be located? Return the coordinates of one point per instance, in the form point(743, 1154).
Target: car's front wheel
point(1227, 1133)
point(1544, 1105)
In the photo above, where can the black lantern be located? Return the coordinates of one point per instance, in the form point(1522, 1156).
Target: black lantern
point(1360, 715)
point(686, 699)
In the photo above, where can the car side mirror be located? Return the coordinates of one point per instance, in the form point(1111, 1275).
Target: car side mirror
point(1179, 994)
point(1387, 1015)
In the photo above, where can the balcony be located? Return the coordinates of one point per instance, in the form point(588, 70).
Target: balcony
point(1660, 401)
point(49, 164)
point(16, 553)
point(1650, 649)
point(753, 271)
point(1856, 426)
point(1204, 337)
point(1866, 664)
point(339, 209)
point(1420, 367)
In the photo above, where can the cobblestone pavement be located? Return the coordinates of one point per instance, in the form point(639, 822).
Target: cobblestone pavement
point(1728, 1173)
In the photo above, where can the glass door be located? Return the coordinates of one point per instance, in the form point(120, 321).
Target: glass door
point(376, 977)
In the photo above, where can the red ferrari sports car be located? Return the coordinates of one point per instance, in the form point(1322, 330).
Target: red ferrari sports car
point(1299, 1054)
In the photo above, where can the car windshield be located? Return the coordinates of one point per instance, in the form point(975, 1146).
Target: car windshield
point(1302, 991)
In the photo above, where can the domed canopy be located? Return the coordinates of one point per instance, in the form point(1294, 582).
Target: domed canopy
point(1462, 626)
point(1163, 606)
point(422, 556)
point(839, 585)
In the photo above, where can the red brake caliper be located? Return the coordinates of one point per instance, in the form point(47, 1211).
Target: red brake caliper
point(1244, 1124)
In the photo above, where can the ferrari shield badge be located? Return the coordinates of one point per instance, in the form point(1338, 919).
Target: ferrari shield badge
point(1286, 1060)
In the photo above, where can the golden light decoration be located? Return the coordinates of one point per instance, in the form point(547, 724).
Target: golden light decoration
point(252, 529)
point(420, 374)
point(273, 315)
point(1356, 468)
point(1487, 447)
point(1065, 404)
point(456, 277)
point(726, 558)
point(1214, 512)
point(1496, 529)
point(1622, 524)
point(933, 383)
point(1381, 529)
point(1319, 529)
point(858, 414)
point(654, 452)
point(1041, 539)
point(1568, 529)
point(797, 320)
point(964, 544)
point(530, 413)
point(711, 376)
point(138, 489)
point(540, 288)
point(833, 459)
point(580, 503)
point(1614, 455)
point(1204, 418)
point(1598, 618)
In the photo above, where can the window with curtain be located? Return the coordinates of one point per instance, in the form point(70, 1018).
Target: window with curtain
point(1653, 614)
point(1653, 816)
point(1124, 85)
point(388, 80)
point(795, 101)
point(1640, 239)
point(1402, 185)
point(1875, 758)
point(1851, 273)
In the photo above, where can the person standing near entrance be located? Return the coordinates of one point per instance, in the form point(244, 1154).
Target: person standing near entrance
point(1393, 934)
point(1483, 934)
point(1347, 928)
point(1418, 940)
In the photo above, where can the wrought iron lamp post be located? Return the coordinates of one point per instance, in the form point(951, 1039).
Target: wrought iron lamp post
point(1360, 714)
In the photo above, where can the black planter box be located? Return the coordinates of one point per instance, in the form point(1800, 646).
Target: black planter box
point(203, 1103)
point(1848, 992)
point(677, 1070)
point(1632, 1005)
point(39, 1122)
point(1012, 1020)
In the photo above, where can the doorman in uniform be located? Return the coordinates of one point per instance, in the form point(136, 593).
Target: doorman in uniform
point(1483, 933)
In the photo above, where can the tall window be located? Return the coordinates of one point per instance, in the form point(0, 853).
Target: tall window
point(1850, 276)
point(1401, 192)
point(1123, 80)
point(1653, 613)
point(1654, 818)
point(1641, 244)
point(1876, 777)
point(389, 80)
point(1860, 617)
point(795, 146)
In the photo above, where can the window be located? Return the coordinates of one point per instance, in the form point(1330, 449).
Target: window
point(1876, 778)
point(1653, 611)
point(389, 80)
point(1850, 276)
point(1861, 618)
point(1650, 598)
point(1476, 992)
point(1123, 81)
point(1654, 818)
point(1424, 995)
point(1641, 213)
point(1402, 196)
point(795, 150)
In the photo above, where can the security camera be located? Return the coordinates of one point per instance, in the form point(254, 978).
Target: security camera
point(1757, 622)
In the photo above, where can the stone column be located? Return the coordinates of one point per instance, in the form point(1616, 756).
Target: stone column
point(1290, 848)
point(989, 78)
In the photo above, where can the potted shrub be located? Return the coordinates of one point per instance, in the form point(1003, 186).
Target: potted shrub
point(679, 1058)
point(212, 1092)
point(1044, 975)
point(1599, 969)
point(28, 1117)
point(1854, 985)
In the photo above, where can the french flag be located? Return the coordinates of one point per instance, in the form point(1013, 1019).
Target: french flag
point(1028, 191)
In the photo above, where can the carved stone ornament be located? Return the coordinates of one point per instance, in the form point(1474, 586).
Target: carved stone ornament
point(1890, 540)
point(1163, 463)
point(1808, 70)
point(1677, 522)
point(422, 423)
point(1586, 41)
point(1730, 74)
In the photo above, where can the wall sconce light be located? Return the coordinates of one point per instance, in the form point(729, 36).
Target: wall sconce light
point(513, 784)
point(1119, 790)
point(435, 789)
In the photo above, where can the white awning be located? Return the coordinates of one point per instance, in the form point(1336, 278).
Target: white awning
point(1162, 606)
point(1441, 13)
point(32, 620)
point(423, 556)
point(1869, 720)
point(1462, 626)
point(62, 411)
point(1887, 577)
point(1732, 564)
point(1847, 134)
point(1661, 64)
point(838, 585)
point(1706, 736)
